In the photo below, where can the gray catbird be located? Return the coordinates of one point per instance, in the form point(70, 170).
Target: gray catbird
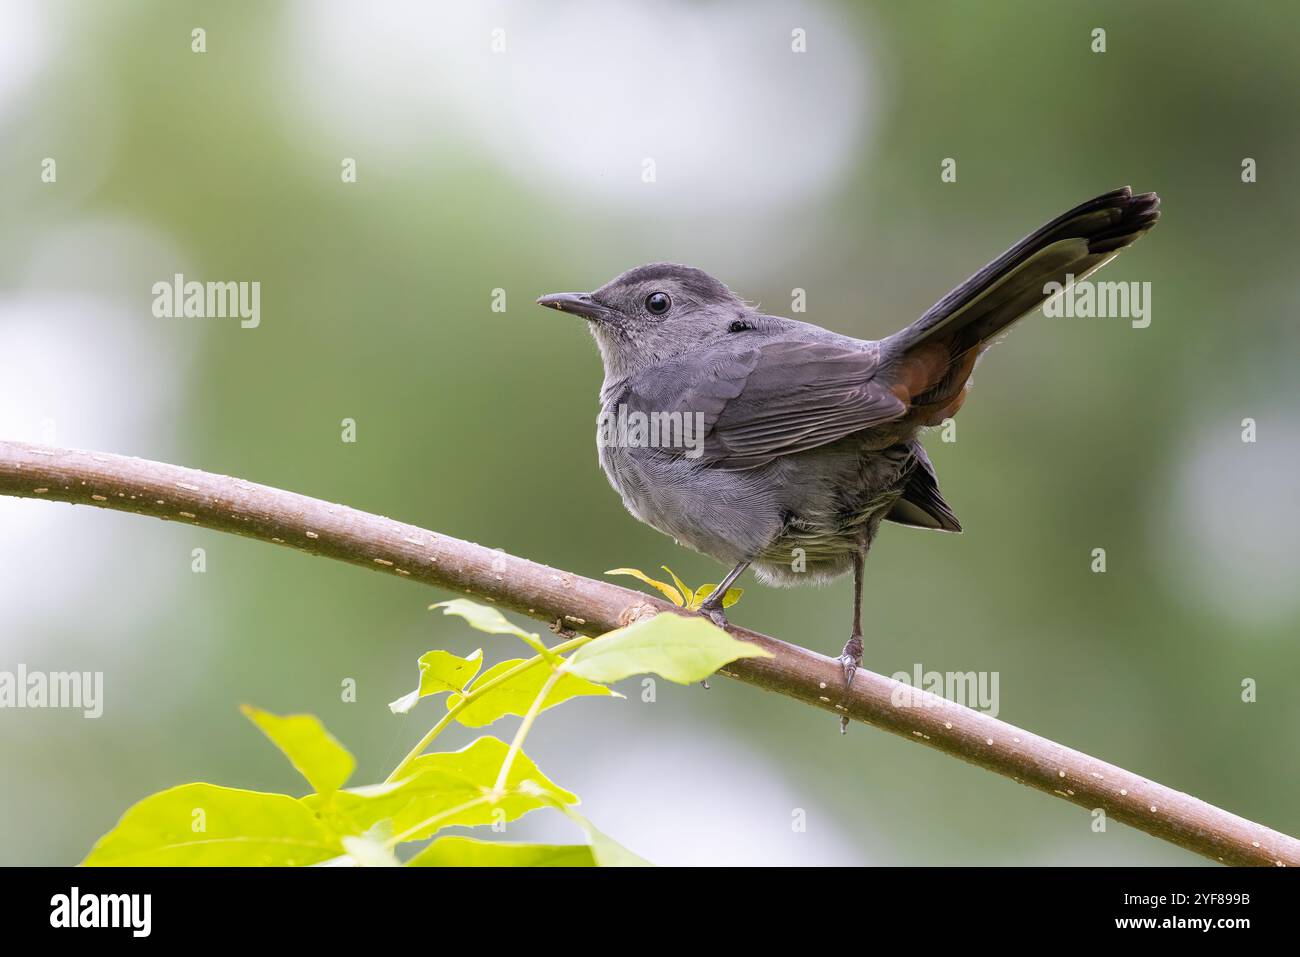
point(767, 442)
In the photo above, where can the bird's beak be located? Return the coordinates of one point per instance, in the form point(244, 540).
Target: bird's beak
point(578, 303)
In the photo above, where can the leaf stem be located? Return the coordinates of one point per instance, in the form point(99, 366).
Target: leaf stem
point(410, 832)
point(524, 727)
point(473, 695)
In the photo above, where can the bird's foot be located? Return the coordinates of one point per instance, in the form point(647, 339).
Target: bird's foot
point(715, 614)
point(849, 660)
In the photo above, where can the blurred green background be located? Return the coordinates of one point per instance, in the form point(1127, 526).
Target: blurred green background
point(522, 170)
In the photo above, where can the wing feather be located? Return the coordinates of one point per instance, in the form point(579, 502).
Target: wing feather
point(778, 398)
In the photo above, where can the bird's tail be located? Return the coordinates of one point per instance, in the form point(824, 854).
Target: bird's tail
point(933, 357)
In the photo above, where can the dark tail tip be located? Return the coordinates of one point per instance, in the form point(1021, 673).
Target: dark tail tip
point(1135, 216)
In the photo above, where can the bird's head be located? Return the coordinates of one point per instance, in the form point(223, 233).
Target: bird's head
point(655, 312)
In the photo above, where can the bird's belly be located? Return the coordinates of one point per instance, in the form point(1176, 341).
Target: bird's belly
point(847, 494)
point(799, 519)
point(729, 516)
point(818, 549)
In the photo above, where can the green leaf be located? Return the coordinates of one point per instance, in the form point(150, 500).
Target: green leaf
point(439, 671)
point(458, 777)
point(311, 749)
point(671, 593)
point(606, 851)
point(209, 826)
point(470, 852)
point(704, 591)
point(679, 648)
point(682, 587)
point(480, 761)
point(516, 695)
point(482, 617)
point(355, 811)
point(492, 621)
point(438, 783)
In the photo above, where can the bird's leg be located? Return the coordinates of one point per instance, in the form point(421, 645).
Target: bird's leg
point(852, 654)
point(711, 608)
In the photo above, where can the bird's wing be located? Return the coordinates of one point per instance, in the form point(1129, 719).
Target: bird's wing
point(777, 398)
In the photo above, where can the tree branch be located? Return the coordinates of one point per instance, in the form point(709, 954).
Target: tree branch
point(593, 607)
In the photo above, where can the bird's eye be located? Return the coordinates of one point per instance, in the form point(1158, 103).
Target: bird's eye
point(740, 325)
point(658, 303)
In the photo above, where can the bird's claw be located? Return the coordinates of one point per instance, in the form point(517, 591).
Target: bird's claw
point(849, 662)
point(714, 614)
point(851, 658)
